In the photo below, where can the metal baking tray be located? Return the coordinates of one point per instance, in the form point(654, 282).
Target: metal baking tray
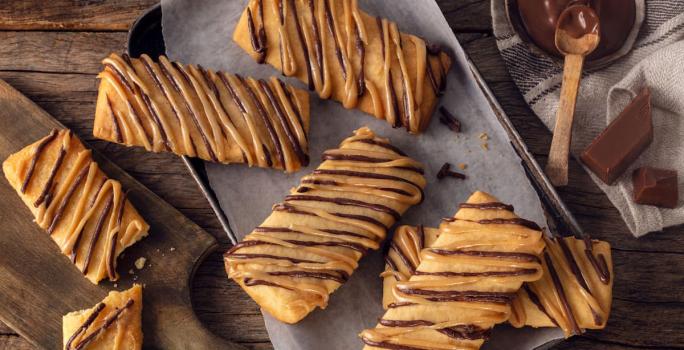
point(145, 36)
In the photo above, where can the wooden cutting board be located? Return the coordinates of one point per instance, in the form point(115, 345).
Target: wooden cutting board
point(38, 284)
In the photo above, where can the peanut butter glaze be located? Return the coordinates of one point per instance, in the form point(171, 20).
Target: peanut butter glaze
point(82, 210)
point(450, 294)
point(313, 240)
point(345, 54)
point(196, 112)
point(539, 19)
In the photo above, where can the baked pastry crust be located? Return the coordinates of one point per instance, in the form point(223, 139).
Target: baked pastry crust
point(83, 211)
point(313, 240)
point(345, 54)
point(196, 112)
point(576, 291)
point(465, 283)
point(113, 324)
point(542, 303)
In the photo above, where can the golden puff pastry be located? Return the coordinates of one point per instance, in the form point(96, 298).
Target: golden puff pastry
point(348, 55)
point(313, 240)
point(577, 303)
point(192, 111)
point(576, 291)
point(113, 324)
point(83, 211)
point(465, 283)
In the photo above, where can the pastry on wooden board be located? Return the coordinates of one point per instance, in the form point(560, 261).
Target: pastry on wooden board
point(83, 211)
point(113, 324)
point(313, 240)
point(348, 55)
point(465, 283)
point(577, 303)
point(197, 112)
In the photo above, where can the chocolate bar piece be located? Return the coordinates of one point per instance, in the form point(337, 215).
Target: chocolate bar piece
point(609, 155)
point(655, 186)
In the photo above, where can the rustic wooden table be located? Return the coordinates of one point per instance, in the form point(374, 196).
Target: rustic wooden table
point(51, 51)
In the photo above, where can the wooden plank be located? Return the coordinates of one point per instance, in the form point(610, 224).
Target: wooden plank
point(33, 300)
point(71, 15)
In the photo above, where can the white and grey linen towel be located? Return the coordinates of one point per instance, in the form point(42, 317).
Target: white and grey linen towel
point(656, 60)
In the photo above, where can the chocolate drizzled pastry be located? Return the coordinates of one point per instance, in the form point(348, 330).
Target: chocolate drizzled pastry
point(575, 295)
point(82, 210)
point(313, 240)
point(196, 112)
point(101, 327)
point(451, 294)
point(345, 54)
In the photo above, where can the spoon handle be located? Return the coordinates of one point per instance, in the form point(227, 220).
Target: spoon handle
point(557, 166)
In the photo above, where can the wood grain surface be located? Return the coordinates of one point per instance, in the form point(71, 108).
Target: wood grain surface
point(38, 284)
point(54, 62)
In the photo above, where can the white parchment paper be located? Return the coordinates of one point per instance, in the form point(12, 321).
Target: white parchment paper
point(200, 32)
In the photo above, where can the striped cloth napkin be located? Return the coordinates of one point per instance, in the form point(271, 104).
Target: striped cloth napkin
point(655, 59)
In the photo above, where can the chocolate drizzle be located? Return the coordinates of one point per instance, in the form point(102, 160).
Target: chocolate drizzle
point(346, 202)
point(287, 230)
point(404, 259)
point(305, 47)
point(109, 320)
point(257, 36)
point(45, 193)
point(487, 206)
point(97, 231)
point(308, 274)
point(600, 265)
point(366, 159)
point(516, 221)
point(296, 147)
point(570, 259)
point(458, 296)
point(469, 332)
point(561, 294)
point(535, 300)
point(34, 159)
point(70, 191)
point(384, 145)
point(333, 32)
point(115, 122)
point(89, 321)
point(487, 254)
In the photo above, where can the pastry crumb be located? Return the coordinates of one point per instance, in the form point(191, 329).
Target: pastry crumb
point(131, 272)
point(135, 278)
point(462, 166)
point(172, 249)
point(485, 146)
point(484, 136)
point(115, 285)
point(140, 263)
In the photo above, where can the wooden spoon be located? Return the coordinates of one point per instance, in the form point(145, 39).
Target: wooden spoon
point(577, 35)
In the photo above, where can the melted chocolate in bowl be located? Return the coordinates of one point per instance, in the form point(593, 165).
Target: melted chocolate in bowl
point(540, 17)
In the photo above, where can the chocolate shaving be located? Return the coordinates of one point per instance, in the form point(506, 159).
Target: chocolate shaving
point(445, 171)
point(449, 120)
